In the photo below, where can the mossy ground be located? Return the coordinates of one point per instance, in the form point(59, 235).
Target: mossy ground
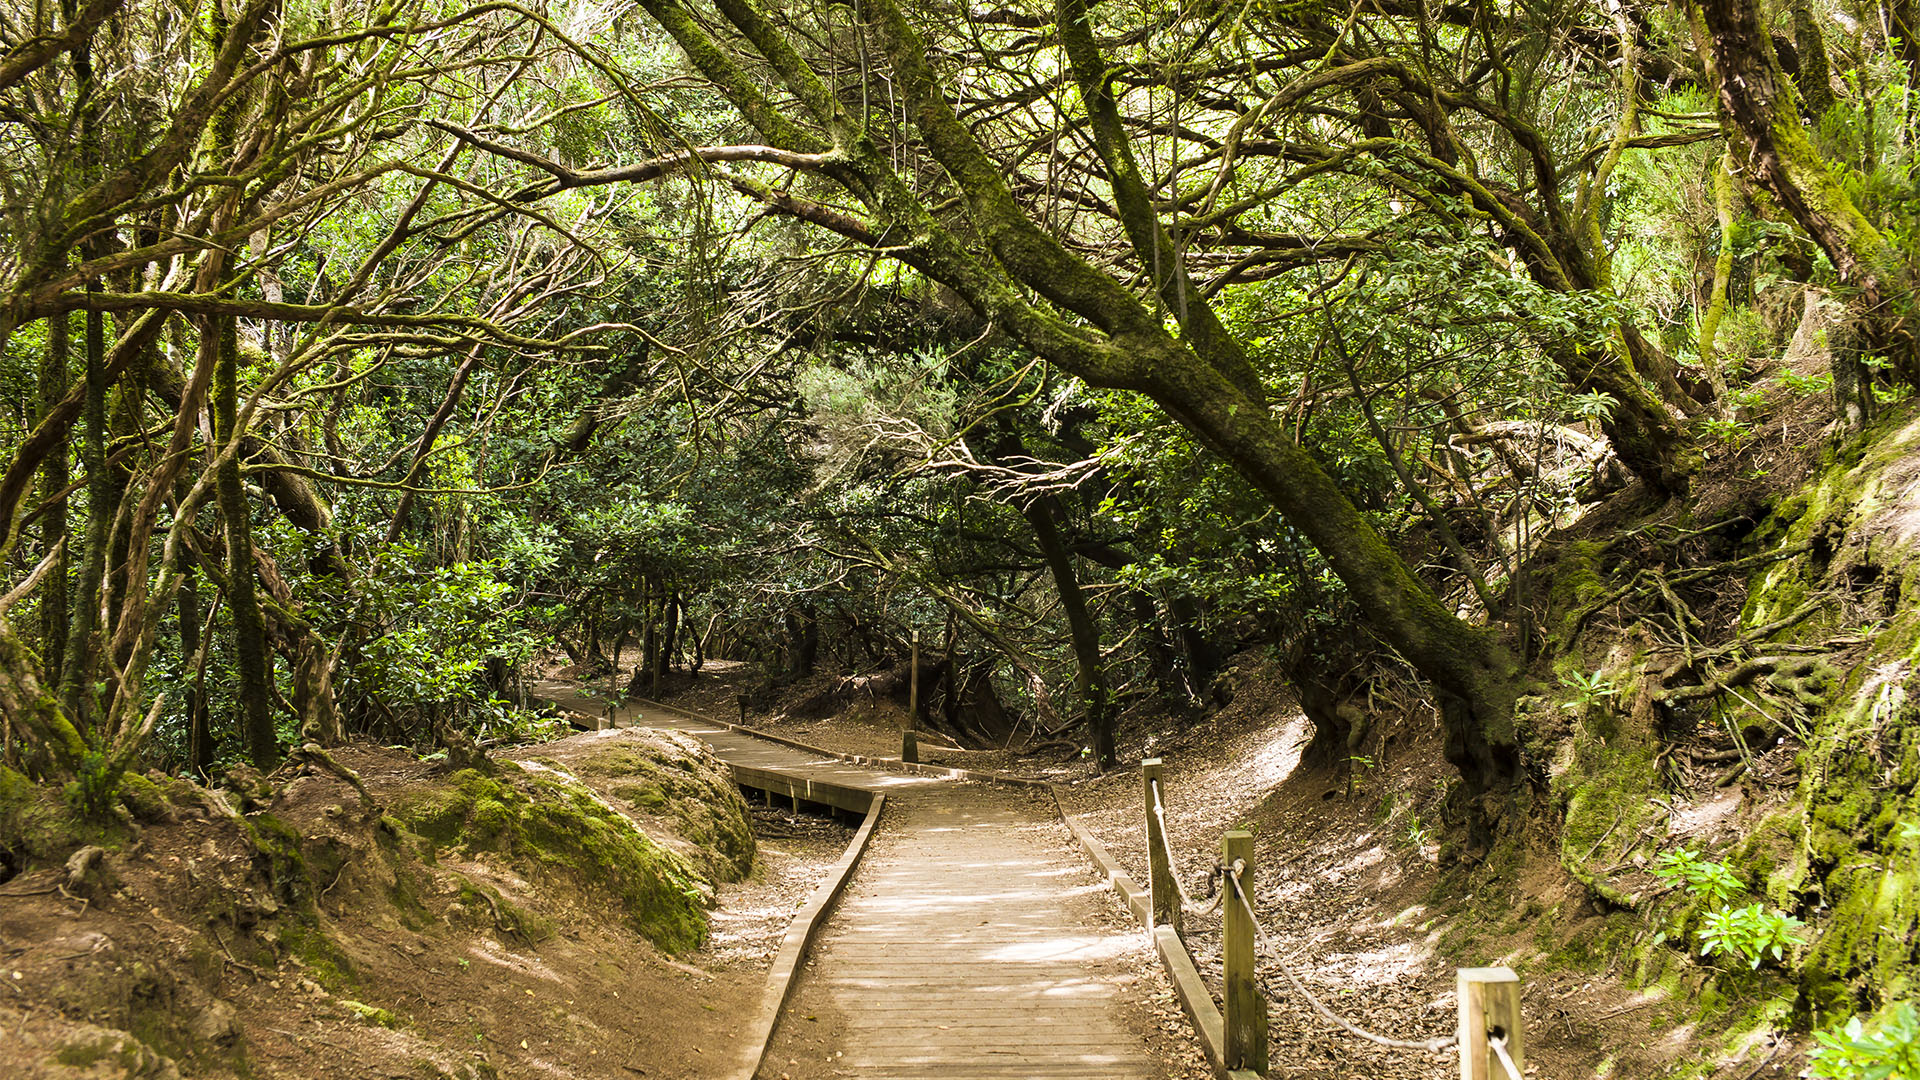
point(1831, 835)
point(550, 823)
point(673, 776)
point(245, 932)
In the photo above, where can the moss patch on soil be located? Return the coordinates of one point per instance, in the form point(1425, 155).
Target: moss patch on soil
point(672, 775)
point(548, 822)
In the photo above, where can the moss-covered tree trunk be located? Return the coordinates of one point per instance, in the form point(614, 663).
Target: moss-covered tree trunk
point(53, 480)
point(243, 600)
point(80, 665)
point(199, 735)
point(1762, 115)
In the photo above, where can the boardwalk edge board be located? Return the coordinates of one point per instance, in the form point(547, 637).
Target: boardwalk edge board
point(799, 939)
point(1195, 999)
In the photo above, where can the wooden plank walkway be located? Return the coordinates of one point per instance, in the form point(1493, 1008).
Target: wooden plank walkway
point(967, 948)
point(969, 945)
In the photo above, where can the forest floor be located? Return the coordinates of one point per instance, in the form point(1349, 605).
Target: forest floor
point(1348, 884)
point(410, 982)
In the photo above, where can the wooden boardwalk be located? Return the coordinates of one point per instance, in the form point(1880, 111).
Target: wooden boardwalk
point(970, 944)
point(967, 947)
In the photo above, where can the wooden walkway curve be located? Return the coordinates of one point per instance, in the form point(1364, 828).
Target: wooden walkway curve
point(968, 945)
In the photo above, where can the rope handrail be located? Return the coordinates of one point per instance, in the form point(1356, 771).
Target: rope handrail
point(1431, 1046)
point(1187, 903)
point(1499, 1045)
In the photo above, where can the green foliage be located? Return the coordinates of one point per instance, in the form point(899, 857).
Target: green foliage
point(1702, 877)
point(1596, 405)
point(1751, 933)
point(1589, 690)
point(1889, 1049)
point(93, 794)
point(443, 625)
point(1820, 383)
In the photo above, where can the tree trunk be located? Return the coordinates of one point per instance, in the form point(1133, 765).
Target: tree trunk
point(1762, 116)
point(243, 601)
point(53, 479)
point(187, 610)
point(1202, 657)
point(77, 672)
point(670, 636)
point(1090, 678)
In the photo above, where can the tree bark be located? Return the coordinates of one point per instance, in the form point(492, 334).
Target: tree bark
point(54, 476)
point(1762, 116)
point(187, 609)
point(1090, 678)
point(243, 601)
point(80, 659)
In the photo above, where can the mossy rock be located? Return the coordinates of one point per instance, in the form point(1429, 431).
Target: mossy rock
point(325, 962)
point(371, 1015)
point(145, 799)
point(549, 822)
point(99, 1051)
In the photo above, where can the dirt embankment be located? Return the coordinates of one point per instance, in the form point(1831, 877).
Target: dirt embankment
point(598, 909)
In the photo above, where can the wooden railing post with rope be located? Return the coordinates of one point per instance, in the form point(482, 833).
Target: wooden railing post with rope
point(1163, 888)
point(1243, 1003)
point(1490, 1037)
point(1492, 1046)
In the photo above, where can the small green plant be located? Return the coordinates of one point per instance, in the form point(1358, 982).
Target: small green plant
point(1417, 833)
point(1752, 933)
point(1851, 1052)
point(1804, 385)
point(1588, 691)
point(1356, 764)
point(1702, 877)
point(1598, 405)
point(1732, 432)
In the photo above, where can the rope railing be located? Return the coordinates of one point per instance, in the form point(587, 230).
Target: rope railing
point(1187, 903)
point(1431, 1046)
point(1489, 1034)
point(1499, 1046)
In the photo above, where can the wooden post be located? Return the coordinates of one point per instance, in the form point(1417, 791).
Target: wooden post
point(1245, 1011)
point(1161, 888)
point(1489, 1005)
point(910, 742)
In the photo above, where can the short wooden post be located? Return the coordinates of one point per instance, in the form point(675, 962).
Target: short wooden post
point(1245, 1011)
point(1161, 888)
point(910, 742)
point(1489, 1006)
